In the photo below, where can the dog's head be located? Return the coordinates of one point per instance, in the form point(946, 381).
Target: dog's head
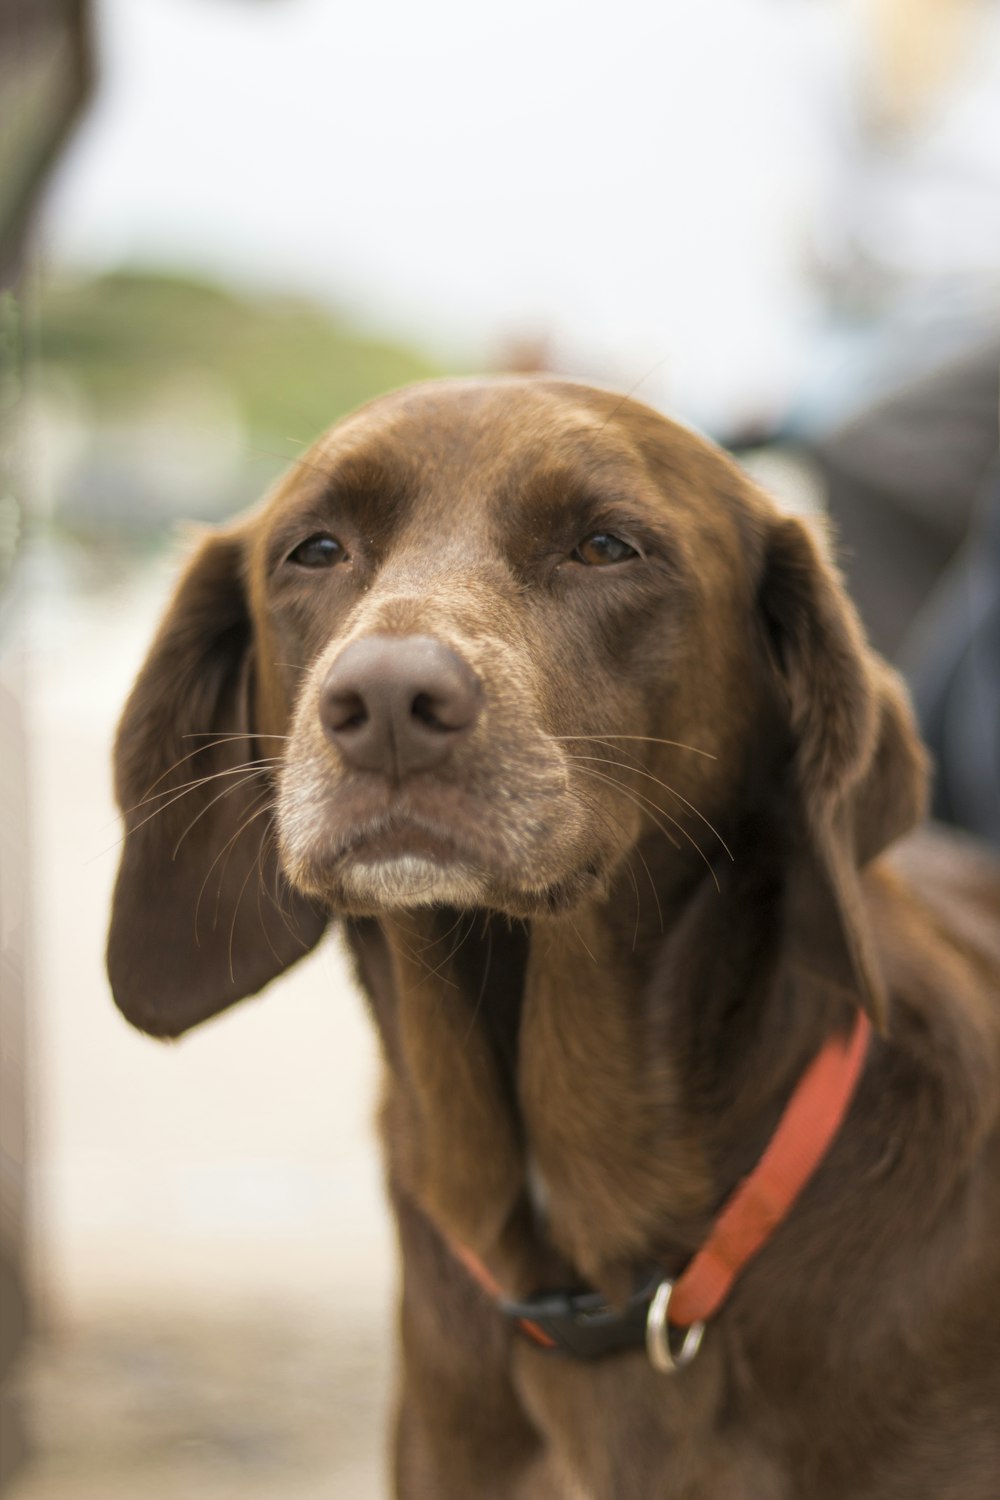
point(482, 642)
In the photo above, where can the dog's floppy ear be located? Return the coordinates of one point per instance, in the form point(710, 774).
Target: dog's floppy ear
point(202, 915)
point(858, 765)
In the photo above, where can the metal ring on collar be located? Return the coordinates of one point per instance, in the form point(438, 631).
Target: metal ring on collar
point(661, 1356)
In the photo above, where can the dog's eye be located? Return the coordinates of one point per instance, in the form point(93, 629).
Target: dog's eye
point(319, 551)
point(601, 549)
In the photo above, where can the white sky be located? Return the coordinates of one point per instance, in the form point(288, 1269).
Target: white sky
point(633, 179)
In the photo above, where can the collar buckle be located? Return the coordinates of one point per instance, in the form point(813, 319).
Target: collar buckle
point(583, 1325)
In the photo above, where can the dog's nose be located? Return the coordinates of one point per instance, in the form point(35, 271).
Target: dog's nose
point(398, 704)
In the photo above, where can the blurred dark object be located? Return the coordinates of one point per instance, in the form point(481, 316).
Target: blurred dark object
point(914, 500)
point(955, 676)
point(44, 74)
point(899, 405)
point(44, 79)
point(903, 476)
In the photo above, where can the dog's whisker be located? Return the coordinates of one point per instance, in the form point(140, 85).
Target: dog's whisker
point(652, 886)
point(237, 734)
point(607, 817)
point(227, 791)
point(405, 921)
point(638, 771)
point(411, 953)
point(224, 851)
point(436, 938)
point(269, 843)
point(653, 808)
point(217, 739)
point(648, 739)
point(642, 803)
point(239, 901)
point(488, 934)
point(174, 796)
point(184, 787)
point(261, 891)
point(436, 972)
point(178, 796)
point(583, 944)
point(261, 805)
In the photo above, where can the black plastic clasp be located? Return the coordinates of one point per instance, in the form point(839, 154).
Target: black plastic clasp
point(584, 1325)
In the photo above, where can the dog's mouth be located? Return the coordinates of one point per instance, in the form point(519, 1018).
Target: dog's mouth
point(394, 862)
point(391, 839)
point(403, 864)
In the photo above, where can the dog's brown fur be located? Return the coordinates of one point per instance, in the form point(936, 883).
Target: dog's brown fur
point(659, 893)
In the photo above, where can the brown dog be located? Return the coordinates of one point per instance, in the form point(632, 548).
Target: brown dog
point(580, 739)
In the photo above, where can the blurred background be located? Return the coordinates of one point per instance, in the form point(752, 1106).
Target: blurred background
point(223, 224)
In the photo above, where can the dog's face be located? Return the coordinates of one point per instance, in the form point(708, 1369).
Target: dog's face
point(486, 623)
point(485, 638)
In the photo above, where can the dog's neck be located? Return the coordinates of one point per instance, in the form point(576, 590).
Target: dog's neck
point(615, 1054)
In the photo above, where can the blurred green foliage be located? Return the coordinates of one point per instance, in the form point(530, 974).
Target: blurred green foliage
point(291, 367)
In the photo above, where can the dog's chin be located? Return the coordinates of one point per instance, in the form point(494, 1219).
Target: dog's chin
point(365, 886)
point(405, 881)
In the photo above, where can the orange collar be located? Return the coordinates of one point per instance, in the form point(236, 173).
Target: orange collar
point(811, 1119)
point(583, 1325)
